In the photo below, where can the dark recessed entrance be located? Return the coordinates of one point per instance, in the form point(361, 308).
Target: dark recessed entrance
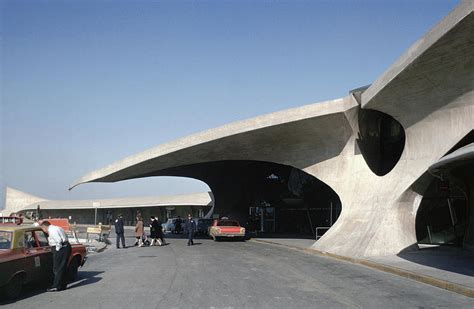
point(443, 214)
point(267, 197)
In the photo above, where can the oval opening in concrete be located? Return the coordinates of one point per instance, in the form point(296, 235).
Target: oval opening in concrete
point(381, 140)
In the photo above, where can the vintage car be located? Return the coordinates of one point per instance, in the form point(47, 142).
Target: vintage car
point(25, 256)
point(226, 229)
point(171, 226)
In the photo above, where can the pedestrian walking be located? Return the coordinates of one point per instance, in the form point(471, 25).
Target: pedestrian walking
point(177, 225)
point(160, 234)
point(120, 231)
point(154, 231)
point(61, 250)
point(139, 231)
point(189, 229)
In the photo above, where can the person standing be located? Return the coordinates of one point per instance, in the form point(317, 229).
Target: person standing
point(120, 231)
point(61, 250)
point(189, 229)
point(139, 231)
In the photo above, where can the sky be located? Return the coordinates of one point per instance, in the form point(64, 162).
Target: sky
point(87, 83)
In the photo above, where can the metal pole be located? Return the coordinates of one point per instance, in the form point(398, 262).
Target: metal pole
point(95, 216)
point(331, 215)
point(429, 234)
point(309, 219)
point(452, 213)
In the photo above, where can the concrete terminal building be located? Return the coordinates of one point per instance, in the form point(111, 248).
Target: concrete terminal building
point(392, 162)
point(104, 210)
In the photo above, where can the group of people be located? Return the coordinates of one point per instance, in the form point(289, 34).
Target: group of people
point(156, 232)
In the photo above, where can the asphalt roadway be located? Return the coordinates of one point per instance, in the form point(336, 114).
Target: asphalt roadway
point(233, 275)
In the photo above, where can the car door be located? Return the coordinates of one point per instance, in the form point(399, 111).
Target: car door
point(46, 255)
point(32, 256)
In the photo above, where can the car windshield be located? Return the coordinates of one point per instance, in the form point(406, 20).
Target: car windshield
point(228, 223)
point(5, 240)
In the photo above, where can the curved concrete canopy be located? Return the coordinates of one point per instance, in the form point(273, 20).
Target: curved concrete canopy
point(411, 88)
point(262, 138)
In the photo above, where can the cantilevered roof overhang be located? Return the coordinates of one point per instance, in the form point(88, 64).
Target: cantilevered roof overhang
point(444, 51)
point(265, 138)
point(317, 132)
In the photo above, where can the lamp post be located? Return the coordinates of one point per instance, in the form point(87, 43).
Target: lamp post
point(95, 205)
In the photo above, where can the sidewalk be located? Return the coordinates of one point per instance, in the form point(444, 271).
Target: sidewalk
point(448, 268)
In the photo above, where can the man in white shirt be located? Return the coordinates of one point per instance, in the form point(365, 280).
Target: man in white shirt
point(61, 250)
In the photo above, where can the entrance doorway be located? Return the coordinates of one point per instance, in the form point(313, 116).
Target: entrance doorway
point(264, 219)
point(443, 215)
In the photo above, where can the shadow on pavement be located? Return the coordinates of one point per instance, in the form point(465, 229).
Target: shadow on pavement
point(85, 278)
point(33, 289)
point(447, 258)
point(279, 236)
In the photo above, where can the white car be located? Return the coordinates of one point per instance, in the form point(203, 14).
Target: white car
point(170, 226)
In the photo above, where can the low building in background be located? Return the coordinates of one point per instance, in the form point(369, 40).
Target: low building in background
point(104, 211)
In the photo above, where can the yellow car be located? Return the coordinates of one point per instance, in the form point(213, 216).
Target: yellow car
point(25, 256)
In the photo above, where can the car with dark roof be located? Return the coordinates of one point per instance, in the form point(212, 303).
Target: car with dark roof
point(26, 256)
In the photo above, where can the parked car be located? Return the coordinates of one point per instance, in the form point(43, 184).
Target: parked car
point(203, 225)
point(226, 229)
point(25, 256)
point(171, 226)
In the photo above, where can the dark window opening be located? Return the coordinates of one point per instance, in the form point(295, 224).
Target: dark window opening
point(381, 140)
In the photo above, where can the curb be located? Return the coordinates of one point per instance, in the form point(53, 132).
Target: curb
point(443, 284)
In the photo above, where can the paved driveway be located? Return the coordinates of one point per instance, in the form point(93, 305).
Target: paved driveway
point(233, 275)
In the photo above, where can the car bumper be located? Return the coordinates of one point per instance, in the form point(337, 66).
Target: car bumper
point(230, 235)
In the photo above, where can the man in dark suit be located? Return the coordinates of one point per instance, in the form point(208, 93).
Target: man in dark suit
point(190, 228)
point(119, 231)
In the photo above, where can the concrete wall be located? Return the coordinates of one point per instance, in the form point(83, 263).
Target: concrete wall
point(16, 200)
point(433, 99)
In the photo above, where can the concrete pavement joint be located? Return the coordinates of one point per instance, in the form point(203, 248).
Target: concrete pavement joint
point(443, 284)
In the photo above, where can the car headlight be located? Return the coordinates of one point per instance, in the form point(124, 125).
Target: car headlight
point(242, 230)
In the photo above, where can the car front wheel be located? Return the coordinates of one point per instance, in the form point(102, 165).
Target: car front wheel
point(72, 269)
point(13, 289)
